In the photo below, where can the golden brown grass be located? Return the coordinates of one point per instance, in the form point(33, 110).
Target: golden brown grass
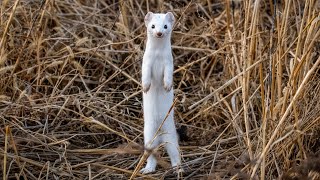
point(247, 83)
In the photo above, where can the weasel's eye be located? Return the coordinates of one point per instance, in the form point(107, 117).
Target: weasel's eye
point(152, 26)
point(165, 26)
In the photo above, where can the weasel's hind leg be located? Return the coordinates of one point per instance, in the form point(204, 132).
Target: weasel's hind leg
point(151, 165)
point(172, 147)
point(151, 161)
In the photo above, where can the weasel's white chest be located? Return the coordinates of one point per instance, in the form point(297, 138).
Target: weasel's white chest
point(158, 70)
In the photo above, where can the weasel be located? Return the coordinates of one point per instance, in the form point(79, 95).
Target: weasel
point(157, 75)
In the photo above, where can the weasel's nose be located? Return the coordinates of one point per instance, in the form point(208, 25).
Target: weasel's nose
point(159, 34)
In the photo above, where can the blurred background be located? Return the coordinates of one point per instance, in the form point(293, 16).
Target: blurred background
point(246, 81)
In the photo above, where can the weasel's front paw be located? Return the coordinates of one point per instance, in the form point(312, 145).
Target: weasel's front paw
point(167, 86)
point(146, 87)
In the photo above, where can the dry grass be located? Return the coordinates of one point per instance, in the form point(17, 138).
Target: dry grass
point(247, 83)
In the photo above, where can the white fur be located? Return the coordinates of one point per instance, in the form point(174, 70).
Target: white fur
point(157, 74)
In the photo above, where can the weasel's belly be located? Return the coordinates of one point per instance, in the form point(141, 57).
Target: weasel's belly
point(156, 105)
point(157, 101)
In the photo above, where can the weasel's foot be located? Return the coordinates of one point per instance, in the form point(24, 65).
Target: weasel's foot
point(167, 86)
point(150, 166)
point(179, 169)
point(147, 170)
point(146, 87)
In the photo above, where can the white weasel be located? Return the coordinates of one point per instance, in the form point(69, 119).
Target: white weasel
point(157, 75)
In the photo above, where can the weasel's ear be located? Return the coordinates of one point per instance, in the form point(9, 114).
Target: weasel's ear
point(148, 18)
point(170, 17)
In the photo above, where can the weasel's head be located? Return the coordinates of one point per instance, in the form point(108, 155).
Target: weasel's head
point(159, 25)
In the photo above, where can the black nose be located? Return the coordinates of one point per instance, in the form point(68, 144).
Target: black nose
point(159, 33)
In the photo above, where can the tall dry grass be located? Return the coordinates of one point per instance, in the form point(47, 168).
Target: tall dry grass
point(246, 82)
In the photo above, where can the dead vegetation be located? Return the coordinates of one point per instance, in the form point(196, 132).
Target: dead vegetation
point(246, 81)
